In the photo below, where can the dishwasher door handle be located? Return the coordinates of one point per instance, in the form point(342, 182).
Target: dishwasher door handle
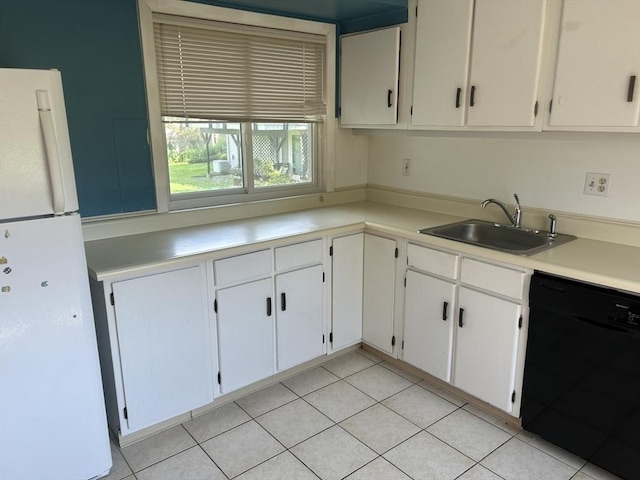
point(595, 323)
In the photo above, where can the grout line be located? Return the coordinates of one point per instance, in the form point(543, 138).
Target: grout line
point(205, 452)
point(212, 460)
point(124, 458)
point(333, 423)
point(551, 455)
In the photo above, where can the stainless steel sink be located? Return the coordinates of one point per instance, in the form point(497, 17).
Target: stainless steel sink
point(504, 238)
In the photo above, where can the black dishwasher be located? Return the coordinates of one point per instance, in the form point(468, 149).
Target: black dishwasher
point(582, 372)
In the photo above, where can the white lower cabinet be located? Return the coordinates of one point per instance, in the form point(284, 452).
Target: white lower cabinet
point(245, 334)
point(165, 337)
point(429, 317)
point(464, 320)
point(274, 319)
point(347, 264)
point(380, 255)
point(486, 347)
point(164, 346)
point(299, 316)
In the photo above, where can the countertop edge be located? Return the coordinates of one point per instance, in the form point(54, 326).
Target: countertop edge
point(400, 223)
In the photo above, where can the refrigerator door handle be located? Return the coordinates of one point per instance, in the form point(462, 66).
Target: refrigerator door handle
point(51, 148)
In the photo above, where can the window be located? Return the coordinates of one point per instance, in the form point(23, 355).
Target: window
point(237, 111)
point(209, 156)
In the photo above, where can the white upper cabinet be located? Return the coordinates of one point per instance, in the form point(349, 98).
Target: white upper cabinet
point(443, 44)
point(505, 65)
point(598, 65)
point(488, 78)
point(369, 66)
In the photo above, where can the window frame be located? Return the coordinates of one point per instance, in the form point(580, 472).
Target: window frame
point(324, 132)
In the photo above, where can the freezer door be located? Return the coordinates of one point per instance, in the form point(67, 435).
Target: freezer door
point(35, 153)
point(52, 415)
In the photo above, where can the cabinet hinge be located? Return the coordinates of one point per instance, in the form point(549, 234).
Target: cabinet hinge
point(393, 341)
point(323, 277)
point(219, 379)
point(113, 302)
point(513, 397)
point(331, 251)
point(416, 11)
point(330, 337)
point(411, 111)
point(125, 414)
point(215, 305)
point(323, 339)
point(396, 253)
point(550, 105)
point(520, 322)
point(402, 344)
point(405, 282)
point(535, 109)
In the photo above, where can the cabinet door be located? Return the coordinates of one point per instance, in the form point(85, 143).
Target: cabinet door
point(598, 55)
point(379, 292)
point(443, 39)
point(299, 317)
point(428, 324)
point(486, 347)
point(505, 65)
point(369, 65)
point(165, 348)
point(245, 334)
point(347, 263)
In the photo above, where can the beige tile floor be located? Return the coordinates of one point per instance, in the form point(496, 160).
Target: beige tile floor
point(357, 418)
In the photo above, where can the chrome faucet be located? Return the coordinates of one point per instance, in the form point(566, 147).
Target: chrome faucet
point(517, 212)
point(552, 226)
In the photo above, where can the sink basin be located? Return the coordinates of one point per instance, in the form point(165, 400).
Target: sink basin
point(504, 238)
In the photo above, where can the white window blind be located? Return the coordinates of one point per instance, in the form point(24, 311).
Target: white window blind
point(219, 71)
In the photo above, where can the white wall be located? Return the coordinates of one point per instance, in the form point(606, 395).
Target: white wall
point(547, 170)
point(351, 158)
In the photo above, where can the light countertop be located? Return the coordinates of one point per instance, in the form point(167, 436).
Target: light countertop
point(603, 263)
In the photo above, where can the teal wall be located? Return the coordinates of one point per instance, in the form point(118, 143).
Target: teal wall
point(95, 45)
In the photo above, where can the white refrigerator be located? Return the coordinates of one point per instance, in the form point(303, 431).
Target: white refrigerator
point(52, 416)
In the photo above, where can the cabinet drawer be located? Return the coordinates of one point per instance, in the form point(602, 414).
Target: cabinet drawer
point(504, 281)
point(242, 267)
point(298, 255)
point(433, 261)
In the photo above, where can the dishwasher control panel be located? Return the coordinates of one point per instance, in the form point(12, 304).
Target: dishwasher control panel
point(626, 314)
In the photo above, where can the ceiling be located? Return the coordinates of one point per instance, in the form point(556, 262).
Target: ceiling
point(349, 15)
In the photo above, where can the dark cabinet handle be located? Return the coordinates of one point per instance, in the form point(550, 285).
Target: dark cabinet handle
point(458, 93)
point(283, 301)
point(389, 93)
point(268, 306)
point(632, 85)
point(472, 99)
point(460, 322)
point(444, 311)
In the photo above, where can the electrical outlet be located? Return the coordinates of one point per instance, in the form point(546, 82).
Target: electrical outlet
point(597, 184)
point(406, 167)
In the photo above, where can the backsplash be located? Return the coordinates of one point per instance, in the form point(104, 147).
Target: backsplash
point(547, 170)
